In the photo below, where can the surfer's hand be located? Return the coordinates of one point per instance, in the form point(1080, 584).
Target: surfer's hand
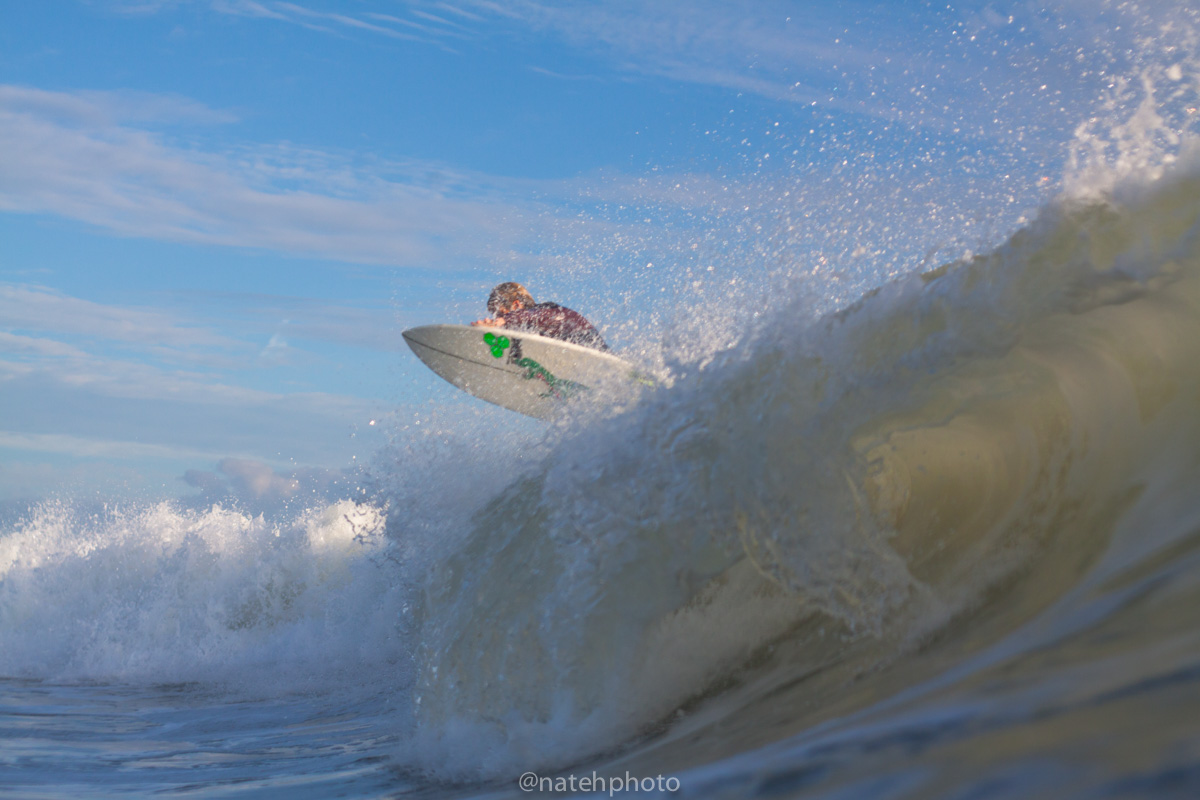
point(489, 323)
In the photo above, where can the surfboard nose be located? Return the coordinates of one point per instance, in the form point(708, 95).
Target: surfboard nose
point(419, 335)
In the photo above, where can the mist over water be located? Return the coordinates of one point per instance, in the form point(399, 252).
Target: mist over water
point(913, 512)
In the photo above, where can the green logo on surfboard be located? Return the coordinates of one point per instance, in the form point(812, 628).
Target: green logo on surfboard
point(498, 344)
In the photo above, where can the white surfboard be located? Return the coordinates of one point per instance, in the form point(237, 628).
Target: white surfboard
point(530, 374)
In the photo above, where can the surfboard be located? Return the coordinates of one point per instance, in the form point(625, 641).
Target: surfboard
point(523, 372)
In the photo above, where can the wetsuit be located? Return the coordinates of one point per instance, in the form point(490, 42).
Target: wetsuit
point(557, 322)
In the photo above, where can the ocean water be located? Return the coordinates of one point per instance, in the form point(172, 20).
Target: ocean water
point(933, 534)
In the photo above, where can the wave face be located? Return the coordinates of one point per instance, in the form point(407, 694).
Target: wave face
point(965, 468)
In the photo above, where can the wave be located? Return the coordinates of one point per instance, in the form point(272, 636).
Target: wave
point(841, 491)
point(810, 507)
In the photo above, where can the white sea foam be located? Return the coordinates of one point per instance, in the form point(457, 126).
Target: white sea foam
point(159, 594)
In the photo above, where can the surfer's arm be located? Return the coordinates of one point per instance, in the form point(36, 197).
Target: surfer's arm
point(489, 323)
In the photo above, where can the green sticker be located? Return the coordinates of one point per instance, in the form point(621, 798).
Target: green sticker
point(497, 343)
point(557, 388)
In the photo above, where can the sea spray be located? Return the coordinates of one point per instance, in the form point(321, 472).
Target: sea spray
point(162, 594)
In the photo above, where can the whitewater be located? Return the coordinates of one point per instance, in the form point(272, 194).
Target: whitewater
point(932, 533)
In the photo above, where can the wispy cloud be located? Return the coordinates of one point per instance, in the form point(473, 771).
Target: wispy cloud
point(866, 57)
point(770, 48)
point(84, 380)
point(92, 109)
point(86, 447)
point(252, 484)
point(143, 7)
point(343, 20)
point(104, 399)
point(369, 326)
point(78, 156)
point(773, 49)
point(246, 8)
point(549, 73)
point(114, 378)
point(424, 27)
point(12, 343)
point(51, 339)
point(35, 308)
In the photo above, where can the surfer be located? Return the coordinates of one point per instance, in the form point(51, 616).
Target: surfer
point(513, 308)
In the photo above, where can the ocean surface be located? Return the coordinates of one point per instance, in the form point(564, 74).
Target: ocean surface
point(937, 536)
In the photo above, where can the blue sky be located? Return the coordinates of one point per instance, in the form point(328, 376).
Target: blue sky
point(216, 216)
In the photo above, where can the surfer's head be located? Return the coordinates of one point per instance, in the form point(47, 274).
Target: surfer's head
point(508, 297)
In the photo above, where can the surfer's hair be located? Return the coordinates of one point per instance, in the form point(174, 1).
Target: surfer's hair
point(506, 295)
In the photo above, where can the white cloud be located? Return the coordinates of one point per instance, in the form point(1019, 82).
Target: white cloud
point(372, 325)
point(258, 485)
point(915, 67)
point(105, 109)
point(768, 48)
point(111, 378)
point(12, 343)
point(67, 407)
point(345, 20)
point(35, 308)
point(118, 466)
point(246, 8)
point(77, 157)
point(87, 403)
point(426, 27)
point(143, 7)
point(85, 447)
point(54, 387)
point(744, 47)
point(275, 351)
